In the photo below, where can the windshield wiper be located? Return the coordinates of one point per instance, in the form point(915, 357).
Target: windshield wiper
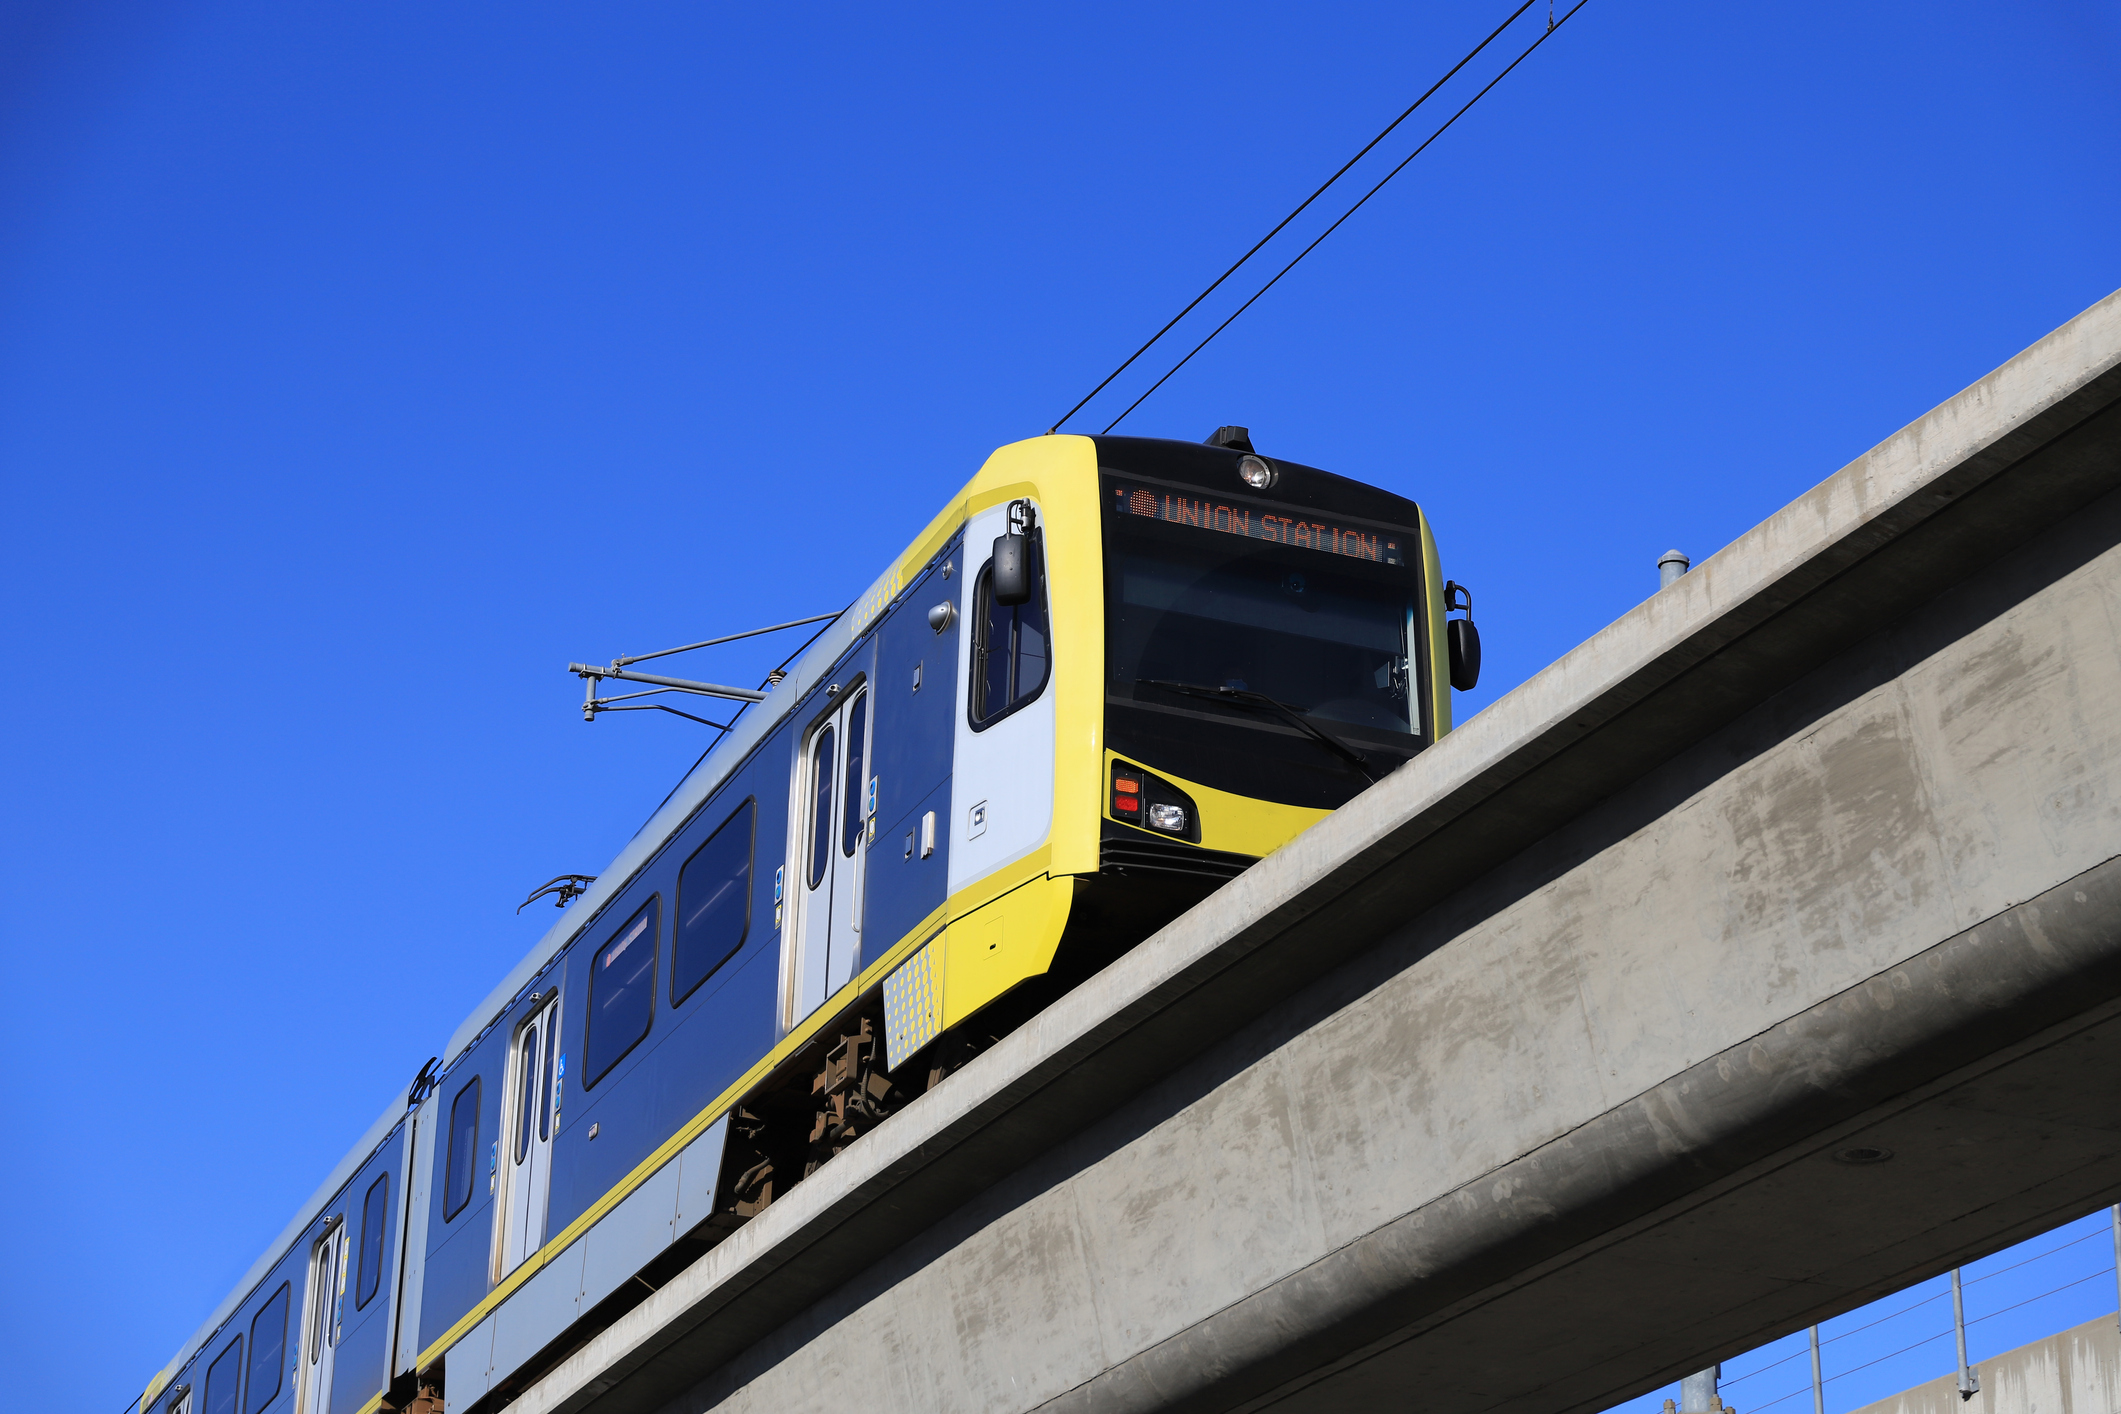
point(1295, 716)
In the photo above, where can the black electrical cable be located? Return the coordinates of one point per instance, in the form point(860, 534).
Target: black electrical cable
point(659, 707)
point(2088, 1237)
point(1294, 214)
point(2102, 1272)
point(1544, 34)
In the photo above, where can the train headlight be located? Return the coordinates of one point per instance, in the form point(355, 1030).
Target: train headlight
point(1152, 803)
point(1255, 473)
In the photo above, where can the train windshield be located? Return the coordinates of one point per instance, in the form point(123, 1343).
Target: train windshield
point(1215, 634)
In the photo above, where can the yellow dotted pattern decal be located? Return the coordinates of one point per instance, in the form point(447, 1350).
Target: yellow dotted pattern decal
point(913, 1008)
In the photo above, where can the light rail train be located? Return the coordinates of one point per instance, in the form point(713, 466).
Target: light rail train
point(1111, 674)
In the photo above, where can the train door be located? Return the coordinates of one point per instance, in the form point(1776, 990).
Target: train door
point(527, 1134)
point(836, 801)
point(320, 1319)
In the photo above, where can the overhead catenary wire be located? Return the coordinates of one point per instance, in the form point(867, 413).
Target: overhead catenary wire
point(2103, 1271)
point(660, 707)
point(1544, 35)
point(1843, 1335)
point(2058, 1247)
point(1806, 1388)
point(1471, 54)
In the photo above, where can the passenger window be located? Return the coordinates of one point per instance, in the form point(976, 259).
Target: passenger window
point(324, 1258)
point(820, 805)
point(714, 903)
point(622, 990)
point(552, 1046)
point(852, 816)
point(1010, 653)
point(463, 1149)
point(544, 1103)
point(526, 1067)
point(268, 1349)
point(224, 1378)
point(375, 1218)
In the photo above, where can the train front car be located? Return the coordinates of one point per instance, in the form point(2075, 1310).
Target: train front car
point(1203, 652)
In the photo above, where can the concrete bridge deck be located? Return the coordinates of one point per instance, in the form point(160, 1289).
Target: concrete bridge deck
point(1518, 1083)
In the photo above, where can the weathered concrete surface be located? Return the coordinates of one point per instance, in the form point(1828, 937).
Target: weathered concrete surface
point(1514, 1084)
point(2075, 1372)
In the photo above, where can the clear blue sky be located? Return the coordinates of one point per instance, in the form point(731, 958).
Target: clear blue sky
point(362, 365)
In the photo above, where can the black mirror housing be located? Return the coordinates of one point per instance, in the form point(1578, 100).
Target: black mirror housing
point(1012, 569)
point(1464, 642)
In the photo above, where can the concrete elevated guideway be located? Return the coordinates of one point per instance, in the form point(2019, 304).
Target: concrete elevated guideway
point(1519, 1083)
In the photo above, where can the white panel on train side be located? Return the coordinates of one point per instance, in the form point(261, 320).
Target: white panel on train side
point(629, 1237)
point(699, 1168)
point(467, 1366)
point(1001, 795)
point(535, 1314)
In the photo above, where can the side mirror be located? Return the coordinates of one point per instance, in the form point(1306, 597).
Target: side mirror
point(1012, 569)
point(1464, 642)
point(1461, 637)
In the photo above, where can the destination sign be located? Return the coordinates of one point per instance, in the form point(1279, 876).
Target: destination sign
point(1258, 523)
